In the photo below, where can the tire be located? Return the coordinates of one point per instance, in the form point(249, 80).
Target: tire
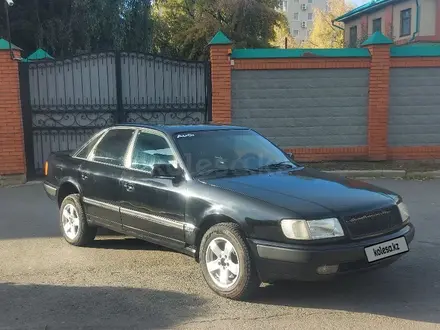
point(246, 282)
point(81, 233)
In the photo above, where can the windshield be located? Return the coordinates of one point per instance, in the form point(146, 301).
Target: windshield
point(237, 150)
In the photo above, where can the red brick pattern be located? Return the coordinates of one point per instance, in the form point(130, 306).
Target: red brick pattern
point(415, 62)
point(326, 154)
point(221, 84)
point(378, 101)
point(11, 128)
point(301, 63)
point(414, 153)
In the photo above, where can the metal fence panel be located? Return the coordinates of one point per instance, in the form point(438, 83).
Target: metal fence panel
point(65, 101)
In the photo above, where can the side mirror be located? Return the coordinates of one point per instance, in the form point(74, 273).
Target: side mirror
point(290, 155)
point(167, 171)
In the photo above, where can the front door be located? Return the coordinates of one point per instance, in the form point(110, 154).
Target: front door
point(100, 178)
point(152, 207)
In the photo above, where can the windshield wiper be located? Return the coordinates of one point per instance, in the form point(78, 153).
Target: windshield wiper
point(275, 166)
point(223, 171)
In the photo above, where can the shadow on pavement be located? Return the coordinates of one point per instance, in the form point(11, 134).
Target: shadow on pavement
point(125, 243)
point(401, 291)
point(52, 307)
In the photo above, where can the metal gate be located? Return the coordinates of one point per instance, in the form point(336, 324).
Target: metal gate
point(65, 101)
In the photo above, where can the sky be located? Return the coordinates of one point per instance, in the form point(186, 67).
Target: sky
point(359, 2)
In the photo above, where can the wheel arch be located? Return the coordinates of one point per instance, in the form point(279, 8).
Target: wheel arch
point(68, 186)
point(209, 221)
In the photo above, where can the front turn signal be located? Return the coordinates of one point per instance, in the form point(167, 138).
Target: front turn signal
point(46, 168)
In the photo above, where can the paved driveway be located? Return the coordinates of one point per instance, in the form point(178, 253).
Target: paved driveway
point(122, 283)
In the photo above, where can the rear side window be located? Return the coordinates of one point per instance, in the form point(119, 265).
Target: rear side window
point(89, 146)
point(111, 149)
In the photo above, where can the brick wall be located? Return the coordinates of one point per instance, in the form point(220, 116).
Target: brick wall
point(12, 163)
point(379, 63)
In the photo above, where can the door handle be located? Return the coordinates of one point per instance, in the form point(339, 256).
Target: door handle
point(84, 176)
point(128, 186)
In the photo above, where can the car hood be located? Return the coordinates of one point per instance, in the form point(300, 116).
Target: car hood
point(308, 192)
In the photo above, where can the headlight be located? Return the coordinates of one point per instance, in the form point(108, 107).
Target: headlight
point(404, 214)
point(311, 229)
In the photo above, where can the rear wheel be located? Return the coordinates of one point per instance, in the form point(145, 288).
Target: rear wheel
point(226, 262)
point(73, 222)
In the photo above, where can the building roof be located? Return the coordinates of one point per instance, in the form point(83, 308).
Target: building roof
point(372, 5)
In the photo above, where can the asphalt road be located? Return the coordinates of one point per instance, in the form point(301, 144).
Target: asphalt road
point(122, 283)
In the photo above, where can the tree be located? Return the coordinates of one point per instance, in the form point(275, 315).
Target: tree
point(184, 27)
point(324, 34)
point(65, 27)
point(282, 36)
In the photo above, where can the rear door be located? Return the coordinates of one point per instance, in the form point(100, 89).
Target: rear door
point(100, 177)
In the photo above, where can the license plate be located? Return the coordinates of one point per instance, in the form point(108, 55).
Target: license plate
point(386, 249)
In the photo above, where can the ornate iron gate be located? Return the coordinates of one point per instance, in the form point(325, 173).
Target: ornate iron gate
point(65, 101)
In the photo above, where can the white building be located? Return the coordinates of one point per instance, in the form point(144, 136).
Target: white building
point(299, 14)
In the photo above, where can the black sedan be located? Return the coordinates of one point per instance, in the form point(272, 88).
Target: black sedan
point(231, 199)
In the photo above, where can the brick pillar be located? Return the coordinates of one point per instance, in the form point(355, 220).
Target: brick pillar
point(378, 102)
point(12, 155)
point(220, 48)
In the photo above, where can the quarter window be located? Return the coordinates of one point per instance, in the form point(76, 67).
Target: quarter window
point(113, 146)
point(405, 22)
point(377, 25)
point(88, 146)
point(149, 150)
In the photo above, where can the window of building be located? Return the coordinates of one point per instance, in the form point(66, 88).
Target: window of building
point(353, 36)
point(377, 25)
point(296, 1)
point(295, 33)
point(310, 16)
point(295, 16)
point(310, 1)
point(284, 5)
point(405, 22)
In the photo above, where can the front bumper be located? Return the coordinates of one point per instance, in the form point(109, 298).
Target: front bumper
point(50, 190)
point(277, 261)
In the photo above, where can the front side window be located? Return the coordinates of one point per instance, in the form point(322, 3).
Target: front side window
point(149, 150)
point(405, 22)
point(113, 146)
point(377, 25)
point(227, 149)
point(353, 36)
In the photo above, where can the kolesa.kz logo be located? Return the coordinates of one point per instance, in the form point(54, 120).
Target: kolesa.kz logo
point(387, 249)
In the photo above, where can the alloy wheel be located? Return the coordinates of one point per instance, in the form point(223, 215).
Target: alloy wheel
point(222, 262)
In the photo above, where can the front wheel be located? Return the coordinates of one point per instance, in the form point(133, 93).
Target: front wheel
point(73, 222)
point(226, 262)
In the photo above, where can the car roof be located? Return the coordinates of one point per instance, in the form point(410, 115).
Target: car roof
point(173, 129)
